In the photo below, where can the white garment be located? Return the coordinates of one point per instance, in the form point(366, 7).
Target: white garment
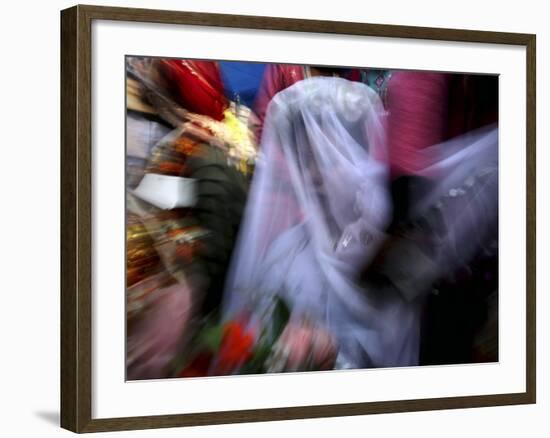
point(316, 213)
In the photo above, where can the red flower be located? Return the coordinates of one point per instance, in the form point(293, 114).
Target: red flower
point(236, 348)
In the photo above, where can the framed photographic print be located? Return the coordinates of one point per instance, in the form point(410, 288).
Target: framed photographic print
point(268, 218)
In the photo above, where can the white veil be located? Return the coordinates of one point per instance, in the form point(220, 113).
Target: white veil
point(317, 211)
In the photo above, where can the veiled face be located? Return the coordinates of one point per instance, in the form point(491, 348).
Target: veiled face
point(326, 152)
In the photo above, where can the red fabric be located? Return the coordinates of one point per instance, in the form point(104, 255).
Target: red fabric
point(276, 78)
point(196, 85)
point(418, 117)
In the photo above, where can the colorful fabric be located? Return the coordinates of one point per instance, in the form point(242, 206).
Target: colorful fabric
point(196, 85)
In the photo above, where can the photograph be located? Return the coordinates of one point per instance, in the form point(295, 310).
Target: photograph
point(289, 218)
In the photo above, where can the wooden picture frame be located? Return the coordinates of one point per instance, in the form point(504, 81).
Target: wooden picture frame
point(76, 217)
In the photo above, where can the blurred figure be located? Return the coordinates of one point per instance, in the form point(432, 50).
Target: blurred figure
point(445, 249)
point(323, 147)
point(431, 118)
point(184, 207)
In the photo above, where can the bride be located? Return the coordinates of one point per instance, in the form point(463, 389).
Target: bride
point(317, 212)
point(317, 215)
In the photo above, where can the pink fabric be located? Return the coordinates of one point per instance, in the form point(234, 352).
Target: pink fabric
point(418, 115)
point(155, 339)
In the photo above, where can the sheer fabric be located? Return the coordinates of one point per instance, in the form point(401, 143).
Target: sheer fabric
point(318, 210)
